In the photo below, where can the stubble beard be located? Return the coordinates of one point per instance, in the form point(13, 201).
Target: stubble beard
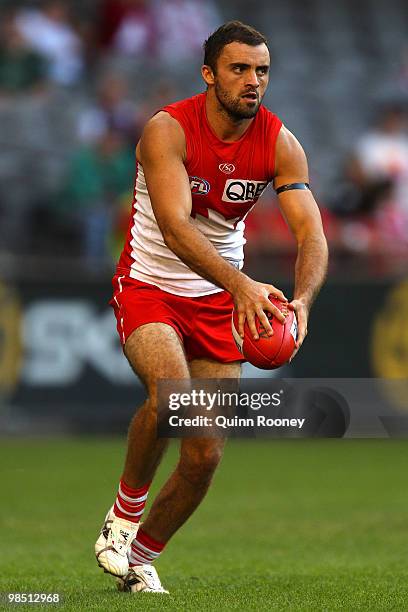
point(234, 107)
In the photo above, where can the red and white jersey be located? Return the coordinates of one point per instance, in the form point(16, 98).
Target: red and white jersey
point(226, 180)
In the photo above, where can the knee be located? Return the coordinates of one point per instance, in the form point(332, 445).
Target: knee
point(198, 462)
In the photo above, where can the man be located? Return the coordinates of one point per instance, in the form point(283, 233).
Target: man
point(201, 165)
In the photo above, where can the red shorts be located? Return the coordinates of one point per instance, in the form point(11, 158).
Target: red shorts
point(202, 323)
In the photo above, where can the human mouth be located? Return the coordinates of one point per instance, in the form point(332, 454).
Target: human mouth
point(250, 96)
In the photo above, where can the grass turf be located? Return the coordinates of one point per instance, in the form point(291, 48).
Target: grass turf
point(289, 525)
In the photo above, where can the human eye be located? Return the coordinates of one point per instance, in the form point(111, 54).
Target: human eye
point(262, 70)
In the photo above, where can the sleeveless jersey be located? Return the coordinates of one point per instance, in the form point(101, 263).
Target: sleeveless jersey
point(226, 180)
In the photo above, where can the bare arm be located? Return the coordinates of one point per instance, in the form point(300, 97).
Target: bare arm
point(303, 216)
point(161, 153)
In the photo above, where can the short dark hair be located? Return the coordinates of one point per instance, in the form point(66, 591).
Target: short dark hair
point(232, 31)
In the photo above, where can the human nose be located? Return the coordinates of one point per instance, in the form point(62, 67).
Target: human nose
point(252, 80)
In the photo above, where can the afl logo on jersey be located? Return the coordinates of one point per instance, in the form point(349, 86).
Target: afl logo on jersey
point(227, 168)
point(199, 186)
point(241, 190)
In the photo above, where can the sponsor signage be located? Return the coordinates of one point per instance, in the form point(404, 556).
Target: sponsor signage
point(61, 355)
point(241, 190)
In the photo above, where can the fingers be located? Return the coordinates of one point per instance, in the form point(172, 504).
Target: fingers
point(298, 344)
point(302, 327)
point(241, 322)
point(265, 322)
point(293, 354)
point(276, 293)
point(250, 317)
point(253, 306)
point(275, 311)
point(258, 311)
point(251, 324)
point(301, 336)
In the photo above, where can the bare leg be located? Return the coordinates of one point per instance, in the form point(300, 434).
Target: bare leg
point(198, 461)
point(144, 449)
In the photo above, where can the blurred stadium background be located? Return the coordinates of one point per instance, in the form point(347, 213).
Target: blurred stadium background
point(77, 82)
point(322, 524)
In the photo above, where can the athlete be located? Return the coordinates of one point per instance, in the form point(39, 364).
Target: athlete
point(202, 164)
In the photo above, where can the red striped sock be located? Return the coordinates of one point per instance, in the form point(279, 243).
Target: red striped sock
point(130, 503)
point(144, 549)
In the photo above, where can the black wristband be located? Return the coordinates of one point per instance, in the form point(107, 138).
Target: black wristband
point(292, 186)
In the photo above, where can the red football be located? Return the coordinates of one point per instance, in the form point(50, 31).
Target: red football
point(268, 352)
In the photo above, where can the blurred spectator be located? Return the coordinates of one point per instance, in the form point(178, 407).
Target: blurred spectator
point(112, 110)
point(382, 154)
point(127, 26)
point(49, 31)
point(183, 25)
point(376, 194)
point(97, 178)
point(21, 68)
point(358, 196)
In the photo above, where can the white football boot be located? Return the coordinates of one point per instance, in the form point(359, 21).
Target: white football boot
point(141, 579)
point(114, 541)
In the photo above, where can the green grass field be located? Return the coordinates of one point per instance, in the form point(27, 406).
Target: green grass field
point(291, 525)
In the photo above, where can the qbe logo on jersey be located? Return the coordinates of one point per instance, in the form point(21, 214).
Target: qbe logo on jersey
point(242, 190)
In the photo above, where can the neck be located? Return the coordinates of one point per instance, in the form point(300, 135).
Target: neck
point(222, 124)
